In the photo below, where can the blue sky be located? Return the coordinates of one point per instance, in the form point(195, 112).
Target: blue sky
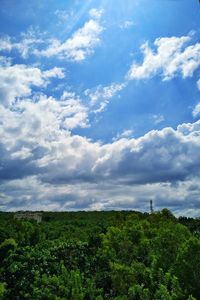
point(100, 105)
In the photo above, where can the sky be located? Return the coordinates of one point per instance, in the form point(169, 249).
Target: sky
point(100, 105)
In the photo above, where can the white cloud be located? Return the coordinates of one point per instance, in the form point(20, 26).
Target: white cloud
point(44, 166)
point(95, 13)
point(196, 111)
point(5, 61)
point(126, 24)
point(162, 165)
point(172, 56)
point(80, 45)
point(5, 44)
point(157, 119)
point(158, 156)
point(124, 134)
point(55, 72)
point(127, 133)
point(101, 95)
point(198, 84)
point(25, 45)
point(40, 123)
point(63, 114)
point(75, 113)
point(62, 15)
point(16, 81)
point(31, 193)
point(188, 129)
point(72, 172)
point(23, 153)
point(68, 95)
point(76, 48)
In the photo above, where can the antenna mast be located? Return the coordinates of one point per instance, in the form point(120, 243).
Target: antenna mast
point(151, 206)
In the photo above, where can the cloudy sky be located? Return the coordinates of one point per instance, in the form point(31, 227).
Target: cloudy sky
point(100, 105)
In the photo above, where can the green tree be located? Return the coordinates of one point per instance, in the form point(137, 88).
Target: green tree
point(6, 248)
point(2, 290)
point(187, 266)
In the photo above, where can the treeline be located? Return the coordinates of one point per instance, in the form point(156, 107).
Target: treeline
point(100, 255)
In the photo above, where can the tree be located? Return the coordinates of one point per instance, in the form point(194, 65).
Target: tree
point(6, 247)
point(187, 266)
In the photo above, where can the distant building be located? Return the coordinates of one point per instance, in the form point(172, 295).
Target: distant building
point(26, 215)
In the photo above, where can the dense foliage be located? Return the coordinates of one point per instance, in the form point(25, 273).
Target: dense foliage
point(100, 255)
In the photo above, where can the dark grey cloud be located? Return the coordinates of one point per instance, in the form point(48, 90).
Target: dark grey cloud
point(72, 173)
point(160, 156)
point(44, 166)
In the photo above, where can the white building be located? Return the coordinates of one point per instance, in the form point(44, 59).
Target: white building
point(26, 215)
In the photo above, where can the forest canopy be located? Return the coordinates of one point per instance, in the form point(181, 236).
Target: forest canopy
point(100, 255)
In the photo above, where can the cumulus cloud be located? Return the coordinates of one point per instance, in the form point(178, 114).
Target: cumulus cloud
point(5, 44)
point(52, 73)
point(16, 81)
point(45, 143)
point(75, 48)
point(169, 150)
point(101, 95)
point(33, 132)
point(198, 84)
point(124, 134)
point(31, 193)
point(95, 13)
point(157, 119)
point(74, 112)
point(44, 165)
point(73, 172)
point(5, 61)
point(159, 156)
point(25, 45)
point(40, 122)
point(172, 55)
point(80, 45)
point(196, 111)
